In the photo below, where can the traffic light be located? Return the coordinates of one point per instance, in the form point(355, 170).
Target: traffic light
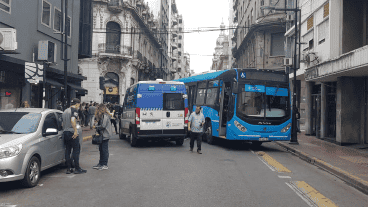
point(102, 83)
point(7, 93)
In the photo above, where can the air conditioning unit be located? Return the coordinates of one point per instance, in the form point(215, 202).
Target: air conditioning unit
point(47, 51)
point(8, 39)
point(288, 61)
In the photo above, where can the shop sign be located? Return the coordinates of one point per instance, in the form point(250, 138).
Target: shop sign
point(33, 72)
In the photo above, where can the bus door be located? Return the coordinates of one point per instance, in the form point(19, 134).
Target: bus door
point(224, 107)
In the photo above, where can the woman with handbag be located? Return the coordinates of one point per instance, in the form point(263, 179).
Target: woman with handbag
point(104, 129)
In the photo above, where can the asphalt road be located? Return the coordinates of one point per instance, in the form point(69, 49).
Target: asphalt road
point(163, 174)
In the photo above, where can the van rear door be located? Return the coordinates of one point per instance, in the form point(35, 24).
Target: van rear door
point(150, 105)
point(173, 113)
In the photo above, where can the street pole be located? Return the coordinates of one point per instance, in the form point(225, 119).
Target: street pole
point(44, 85)
point(65, 97)
point(294, 135)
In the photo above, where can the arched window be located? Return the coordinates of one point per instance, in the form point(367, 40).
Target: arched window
point(113, 37)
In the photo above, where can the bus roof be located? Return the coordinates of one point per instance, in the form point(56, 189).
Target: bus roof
point(201, 77)
point(158, 81)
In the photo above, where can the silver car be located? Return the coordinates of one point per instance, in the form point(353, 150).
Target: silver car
point(30, 142)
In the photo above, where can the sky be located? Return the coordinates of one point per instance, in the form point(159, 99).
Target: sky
point(202, 13)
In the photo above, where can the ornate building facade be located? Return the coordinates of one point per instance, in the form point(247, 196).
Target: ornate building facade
point(125, 49)
point(222, 52)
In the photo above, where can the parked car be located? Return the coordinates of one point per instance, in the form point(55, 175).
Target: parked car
point(30, 141)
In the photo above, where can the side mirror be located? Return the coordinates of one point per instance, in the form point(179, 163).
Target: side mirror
point(51, 131)
point(235, 88)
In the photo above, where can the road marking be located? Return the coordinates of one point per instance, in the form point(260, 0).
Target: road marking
point(7, 205)
point(283, 176)
point(272, 162)
point(310, 195)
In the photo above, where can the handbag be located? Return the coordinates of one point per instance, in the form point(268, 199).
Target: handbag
point(97, 139)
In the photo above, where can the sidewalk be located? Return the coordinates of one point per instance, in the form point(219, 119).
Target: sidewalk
point(349, 163)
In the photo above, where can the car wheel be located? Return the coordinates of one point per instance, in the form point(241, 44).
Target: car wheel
point(179, 142)
point(33, 173)
point(133, 139)
point(208, 133)
point(121, 135)
point(256, 143)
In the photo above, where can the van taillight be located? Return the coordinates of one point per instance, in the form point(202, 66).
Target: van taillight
point(137, 115)
point(186, 116)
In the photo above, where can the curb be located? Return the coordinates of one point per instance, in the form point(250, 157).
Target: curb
point(350, 179)
point(87, 138)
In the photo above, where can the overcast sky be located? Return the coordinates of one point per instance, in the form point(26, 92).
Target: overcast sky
point(202, 13)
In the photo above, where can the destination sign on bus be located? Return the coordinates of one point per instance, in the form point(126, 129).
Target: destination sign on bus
point(263, 76)
point(254, 88)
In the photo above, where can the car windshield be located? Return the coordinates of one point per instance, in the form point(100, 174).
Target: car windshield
point(19, 122)
point(261, 101)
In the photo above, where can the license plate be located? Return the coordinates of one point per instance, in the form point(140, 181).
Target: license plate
point(263, 139)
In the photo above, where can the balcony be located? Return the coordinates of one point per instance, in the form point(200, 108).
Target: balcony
point(353, 63)
point(139, 3)
point(174, 21)
point(115, 6)
point(174, 45)
point(114, 50)
point(144, 12)
point(174, 58)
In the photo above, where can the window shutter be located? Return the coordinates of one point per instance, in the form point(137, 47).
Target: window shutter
point(326, 10)
point(310, 23)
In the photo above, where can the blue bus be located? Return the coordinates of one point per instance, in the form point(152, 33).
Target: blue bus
point(242, 104)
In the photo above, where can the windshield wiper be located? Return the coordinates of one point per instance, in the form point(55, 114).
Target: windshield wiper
point(9, 132)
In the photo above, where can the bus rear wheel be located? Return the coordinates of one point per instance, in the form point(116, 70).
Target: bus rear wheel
point(208, 133)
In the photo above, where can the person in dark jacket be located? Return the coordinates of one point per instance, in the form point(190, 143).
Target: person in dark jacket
point(297, 119)
point(104, 128)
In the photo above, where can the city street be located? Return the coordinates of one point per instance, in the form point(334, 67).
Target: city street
point(163, 174)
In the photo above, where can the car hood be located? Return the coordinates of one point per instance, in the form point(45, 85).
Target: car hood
point(7, 140)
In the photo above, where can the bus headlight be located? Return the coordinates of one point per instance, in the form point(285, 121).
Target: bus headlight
point(240, 127)
point(285, 129)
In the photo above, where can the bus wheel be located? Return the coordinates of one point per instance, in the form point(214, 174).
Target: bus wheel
point(133, 139)
point(208, 133)
point(256, 143)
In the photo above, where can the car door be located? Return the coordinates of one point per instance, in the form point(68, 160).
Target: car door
point(173, 113)
point(49, 144)
point(60, 141)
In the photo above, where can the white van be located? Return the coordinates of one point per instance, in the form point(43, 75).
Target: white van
point(155, 110)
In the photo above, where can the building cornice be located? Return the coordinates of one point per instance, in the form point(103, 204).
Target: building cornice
point(254, 28)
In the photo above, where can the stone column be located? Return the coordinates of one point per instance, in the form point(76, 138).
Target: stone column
point(308, 111)
point(348, 109)
point(323, 110)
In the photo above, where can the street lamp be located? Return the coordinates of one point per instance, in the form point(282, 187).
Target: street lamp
point(294, 135)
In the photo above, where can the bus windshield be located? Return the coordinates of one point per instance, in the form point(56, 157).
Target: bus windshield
point(261, 101)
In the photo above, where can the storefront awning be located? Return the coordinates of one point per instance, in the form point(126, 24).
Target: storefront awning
point(78, 88)
point(54, 83)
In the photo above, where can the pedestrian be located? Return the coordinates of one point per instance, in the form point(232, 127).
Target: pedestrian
point(86, 114)
point(59, 106)
point(113, 117)
point(91, 113)
point(297, 114)
point(80, 115)
point(195, 125)
point(103, 127)
point(71, 137)
point(10, 104)
point(25, 104)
